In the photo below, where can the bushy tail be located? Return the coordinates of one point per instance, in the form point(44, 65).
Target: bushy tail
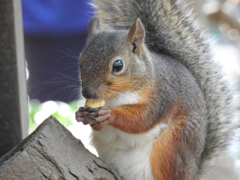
point(171, 29)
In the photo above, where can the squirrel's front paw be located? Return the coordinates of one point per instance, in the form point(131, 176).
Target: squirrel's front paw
point(99, 116)
point(95, 117)
point(81, 115)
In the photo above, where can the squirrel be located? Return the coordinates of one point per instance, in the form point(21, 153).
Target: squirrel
point(167, 105)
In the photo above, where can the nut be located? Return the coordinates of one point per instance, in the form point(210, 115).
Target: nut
point(94, 103)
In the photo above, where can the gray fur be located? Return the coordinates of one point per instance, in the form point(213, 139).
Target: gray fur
point(172, 30)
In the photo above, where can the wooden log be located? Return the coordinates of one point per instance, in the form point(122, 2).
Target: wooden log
point(52, 152)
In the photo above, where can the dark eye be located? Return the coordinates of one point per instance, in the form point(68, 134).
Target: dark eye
point(117, 66)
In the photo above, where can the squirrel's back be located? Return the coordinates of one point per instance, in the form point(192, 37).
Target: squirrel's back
point(172, 30)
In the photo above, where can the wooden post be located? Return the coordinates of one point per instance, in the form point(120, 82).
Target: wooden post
point(13, 94)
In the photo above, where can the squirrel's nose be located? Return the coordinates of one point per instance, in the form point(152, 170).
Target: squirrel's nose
point(89, 93)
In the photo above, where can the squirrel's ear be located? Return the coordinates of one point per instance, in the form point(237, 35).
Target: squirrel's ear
point(136, 35)
point(93, 26)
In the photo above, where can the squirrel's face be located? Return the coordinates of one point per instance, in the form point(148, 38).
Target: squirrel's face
point(110, 64)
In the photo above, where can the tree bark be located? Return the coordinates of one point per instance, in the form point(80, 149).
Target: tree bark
point(52, 152)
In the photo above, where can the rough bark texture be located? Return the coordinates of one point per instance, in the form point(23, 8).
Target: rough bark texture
point(51, 152)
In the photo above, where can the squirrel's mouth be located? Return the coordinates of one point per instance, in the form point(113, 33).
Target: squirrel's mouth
point(96, 93)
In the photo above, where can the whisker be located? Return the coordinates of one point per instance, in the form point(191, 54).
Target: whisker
point(61, 86)
point(72, 55)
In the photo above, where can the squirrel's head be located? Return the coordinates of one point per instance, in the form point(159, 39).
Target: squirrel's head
point(113, 61)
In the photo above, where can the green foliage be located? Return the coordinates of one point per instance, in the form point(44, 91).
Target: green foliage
point(39, 112)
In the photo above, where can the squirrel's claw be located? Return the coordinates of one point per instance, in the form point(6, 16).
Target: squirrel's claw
point(98, 116)
point(81, 114)
point(102, 120)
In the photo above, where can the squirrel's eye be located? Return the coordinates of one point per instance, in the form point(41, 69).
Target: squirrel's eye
point(117, 66)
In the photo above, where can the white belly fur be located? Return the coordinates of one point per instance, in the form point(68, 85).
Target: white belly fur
point(128, 154)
